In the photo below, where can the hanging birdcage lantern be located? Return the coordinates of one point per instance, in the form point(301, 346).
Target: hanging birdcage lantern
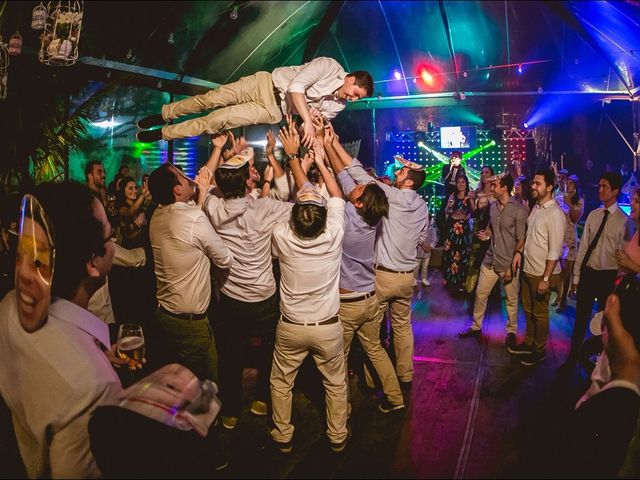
point(59, 41)
point(4, 69)
point(15, 44)
point(39, 17)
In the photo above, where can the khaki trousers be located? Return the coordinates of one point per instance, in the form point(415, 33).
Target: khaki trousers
point(396, 291)
point(293, 344)
point(536, 309)
point(249, 101)
point(486, 282)
point(362, 318)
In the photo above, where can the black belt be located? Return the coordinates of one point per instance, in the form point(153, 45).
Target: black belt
point(357, 299)
point(385, 269)
point(329, 321)
point(184, 316)
point(276, 93)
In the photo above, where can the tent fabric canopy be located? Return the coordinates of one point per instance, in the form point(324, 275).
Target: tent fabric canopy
point(409, 47)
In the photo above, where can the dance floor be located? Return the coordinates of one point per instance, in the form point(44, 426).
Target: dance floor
point(473, 410)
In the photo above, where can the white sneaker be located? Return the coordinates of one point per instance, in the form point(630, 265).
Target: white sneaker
point(426, 283)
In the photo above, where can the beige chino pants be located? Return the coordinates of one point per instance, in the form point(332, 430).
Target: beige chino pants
point(396, 290)
point(293, 344)
point(362, 318)
point(486, 282)
point(249, 101)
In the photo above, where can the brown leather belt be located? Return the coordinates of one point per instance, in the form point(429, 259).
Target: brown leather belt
point(329, 321)
point(385, 269)
point(184, 316)
point(357, 299)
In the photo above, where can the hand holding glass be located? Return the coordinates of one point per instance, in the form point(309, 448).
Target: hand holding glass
point(130, 345)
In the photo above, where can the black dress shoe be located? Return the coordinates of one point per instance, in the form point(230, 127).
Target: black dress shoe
point(469, 332)
point(151, 121)
point(148, 136)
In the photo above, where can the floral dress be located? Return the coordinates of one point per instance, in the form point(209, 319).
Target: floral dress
point(457, 244)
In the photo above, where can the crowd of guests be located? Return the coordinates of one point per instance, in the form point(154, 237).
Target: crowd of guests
point(296, 261)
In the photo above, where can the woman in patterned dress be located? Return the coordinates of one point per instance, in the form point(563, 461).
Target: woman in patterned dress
point(458, 238)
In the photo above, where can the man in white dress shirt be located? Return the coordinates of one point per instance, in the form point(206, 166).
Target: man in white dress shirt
point(54, 373)
point(248, 303)
point(309, 248)
point(605, 231)
point(184, 245)
point(263, 98)
point(542, 249)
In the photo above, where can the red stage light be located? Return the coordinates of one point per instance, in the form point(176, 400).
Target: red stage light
point(428, 77)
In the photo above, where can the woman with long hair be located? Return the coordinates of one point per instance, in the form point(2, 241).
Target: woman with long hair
point(458, 238)
point(572, 204)
point(130, 209)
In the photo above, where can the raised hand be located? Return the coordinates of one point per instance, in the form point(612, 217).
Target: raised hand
point(309, 134)
point(238, 145)
point(318, 122)
point(289, 137)
point(219, 140)
point(318, 150)
point(203, 179)
point(271, 143)
point(307, 161)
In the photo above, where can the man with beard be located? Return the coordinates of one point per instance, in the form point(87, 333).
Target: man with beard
point(542, 250)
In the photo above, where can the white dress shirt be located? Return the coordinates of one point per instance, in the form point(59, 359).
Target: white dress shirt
point(318, 80)
point(52, 380)
point(184, 244)
point(310, 269)
point(245, 225)
point(545, 232)
point(618, 229)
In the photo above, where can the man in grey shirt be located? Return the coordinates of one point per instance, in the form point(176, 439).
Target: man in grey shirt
point(506, 232)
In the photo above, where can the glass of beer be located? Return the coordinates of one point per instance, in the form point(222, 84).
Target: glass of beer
point(131, 344)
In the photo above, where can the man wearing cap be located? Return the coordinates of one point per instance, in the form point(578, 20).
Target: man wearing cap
point(451, 173)
point(263, 98)
point(309, 248)
point(367, 205)
point(184, 245)
point(506, 233)
point(248, 303)
point(395, 257)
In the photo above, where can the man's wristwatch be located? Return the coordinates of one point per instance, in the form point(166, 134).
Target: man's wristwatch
point(545, 278)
